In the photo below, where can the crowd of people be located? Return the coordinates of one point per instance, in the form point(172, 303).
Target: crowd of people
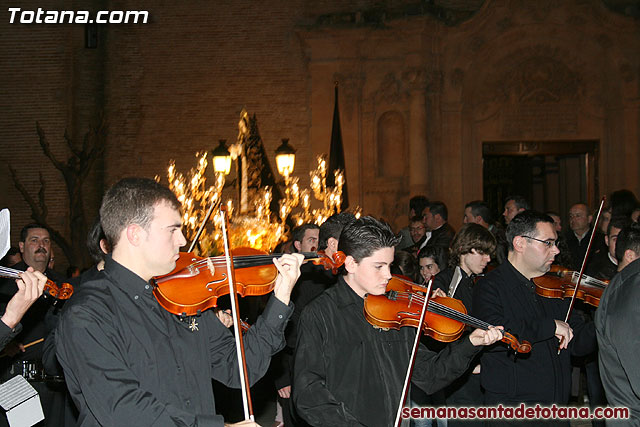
point(112, 355)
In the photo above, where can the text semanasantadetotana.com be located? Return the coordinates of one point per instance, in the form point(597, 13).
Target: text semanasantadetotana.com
point(521, 412)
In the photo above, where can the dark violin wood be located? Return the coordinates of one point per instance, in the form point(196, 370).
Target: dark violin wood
point(445, 319)
point(59, 292)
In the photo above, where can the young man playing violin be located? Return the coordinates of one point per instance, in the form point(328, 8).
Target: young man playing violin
point(471, 250)
point(507, 296)
point(129, 362)
point(348, 372)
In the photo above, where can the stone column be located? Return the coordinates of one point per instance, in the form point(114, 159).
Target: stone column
point(415, 79)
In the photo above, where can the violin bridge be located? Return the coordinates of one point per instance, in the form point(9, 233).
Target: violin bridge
point(210, 266)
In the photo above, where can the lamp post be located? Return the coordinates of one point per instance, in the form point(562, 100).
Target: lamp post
point(221, 158)
point(285, 159)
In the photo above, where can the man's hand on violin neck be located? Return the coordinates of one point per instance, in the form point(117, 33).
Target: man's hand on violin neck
point(564, 333)
point(288, 266)
point(488, 337)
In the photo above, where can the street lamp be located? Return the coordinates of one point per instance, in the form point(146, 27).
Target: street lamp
point(221, 158)
point(285, 158)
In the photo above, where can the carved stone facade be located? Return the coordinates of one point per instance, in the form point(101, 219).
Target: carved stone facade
point(515, 71)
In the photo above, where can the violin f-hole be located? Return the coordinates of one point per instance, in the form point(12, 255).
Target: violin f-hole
point(209, 286)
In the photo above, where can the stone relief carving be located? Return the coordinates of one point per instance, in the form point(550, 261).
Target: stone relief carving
point(533, 75)
point(415, 78)
point(389, 91)
point(536, 91)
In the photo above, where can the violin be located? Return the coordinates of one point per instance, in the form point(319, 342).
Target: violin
point(445, 319)
point(196, 283)
point(51, 289)
point(560, 282)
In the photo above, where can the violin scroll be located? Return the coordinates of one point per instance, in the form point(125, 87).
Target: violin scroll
point(330, 263)
point(520, 347)
point(59, 292)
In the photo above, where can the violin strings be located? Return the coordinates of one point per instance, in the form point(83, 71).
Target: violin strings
point(443, 310)
point(9, 272)
point(241, 261)
point(588, 280)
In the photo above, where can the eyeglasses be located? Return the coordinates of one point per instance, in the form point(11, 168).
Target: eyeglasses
point(547, 243)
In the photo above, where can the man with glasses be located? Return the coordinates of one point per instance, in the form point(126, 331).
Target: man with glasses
point(507, 296)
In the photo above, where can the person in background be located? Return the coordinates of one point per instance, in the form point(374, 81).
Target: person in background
point(616, 315)
point(557, 221)
point(418, 235)
point(417, 207)
point(471, 251)
point(27, 349)
point(432, 260)
point(513, 205)
point(436, 217)
point(305, 239)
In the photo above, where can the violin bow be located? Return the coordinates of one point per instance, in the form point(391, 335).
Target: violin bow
point(194, 242)
point(412, 360)
point(584, 261)
point(233, 296)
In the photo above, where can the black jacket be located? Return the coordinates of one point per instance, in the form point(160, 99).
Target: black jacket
point(348, 373)
point(505, 297)
point(616, 318)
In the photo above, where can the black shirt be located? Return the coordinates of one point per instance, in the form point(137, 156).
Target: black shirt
point(348, 373)
point(127, 361)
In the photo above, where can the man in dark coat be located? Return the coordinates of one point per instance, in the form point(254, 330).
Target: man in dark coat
point(506, 296)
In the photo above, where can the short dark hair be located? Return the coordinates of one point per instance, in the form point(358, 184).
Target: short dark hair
point(332, 227)
point(25, 230)
point(481, 209)
point(404, 263)
point(439, 208)
point(619, 222)
point(628, 238)
point(364, 236)
point(471, 236)
point(94, 236)
point(416, 218)
point(418, 204)
point(623, 202)
point(298, 233)
point(521, 202)
point(525, 224)
point(438, 253)
point(132, 201)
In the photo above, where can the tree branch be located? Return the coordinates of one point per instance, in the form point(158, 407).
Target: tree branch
point(46, 148)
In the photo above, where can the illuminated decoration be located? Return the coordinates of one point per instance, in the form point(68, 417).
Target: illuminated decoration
point(252, 223)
